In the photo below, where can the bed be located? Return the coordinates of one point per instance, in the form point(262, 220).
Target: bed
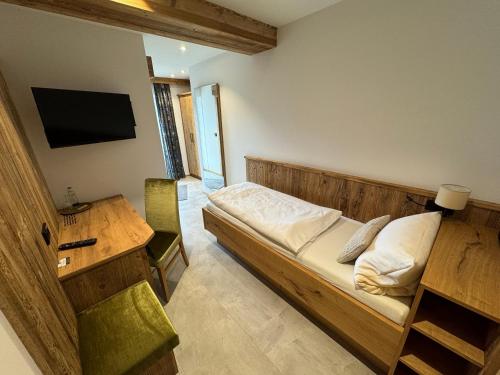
point(313, 279)
point(321, 257)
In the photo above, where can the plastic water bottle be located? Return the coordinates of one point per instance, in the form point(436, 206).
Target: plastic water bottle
point(70, 197)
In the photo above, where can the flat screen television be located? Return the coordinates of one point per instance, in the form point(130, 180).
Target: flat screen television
point(73, 118)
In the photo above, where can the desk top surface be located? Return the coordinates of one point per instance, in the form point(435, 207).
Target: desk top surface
point(119, 230)
point(464, 266)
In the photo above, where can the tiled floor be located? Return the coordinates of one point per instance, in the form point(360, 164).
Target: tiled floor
point(231, 323)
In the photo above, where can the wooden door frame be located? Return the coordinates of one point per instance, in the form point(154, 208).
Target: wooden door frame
point(179, 96)
point(221, 138)
point(219, 119)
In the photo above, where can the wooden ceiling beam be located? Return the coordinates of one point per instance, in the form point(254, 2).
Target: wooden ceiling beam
point(171, 81)
point(196, 21)
point(151, 69)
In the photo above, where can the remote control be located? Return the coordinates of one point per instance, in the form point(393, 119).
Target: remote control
point(82, 243)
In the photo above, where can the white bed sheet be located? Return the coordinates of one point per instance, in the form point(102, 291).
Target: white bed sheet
point(289, 221)
point(321, 257)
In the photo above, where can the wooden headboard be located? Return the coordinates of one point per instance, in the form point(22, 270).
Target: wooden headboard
point(358, 198)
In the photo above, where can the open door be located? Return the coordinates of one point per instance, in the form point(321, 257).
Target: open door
point(211, 145)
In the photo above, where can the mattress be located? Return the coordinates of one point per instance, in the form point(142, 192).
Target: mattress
point(287, 220)
point(321, 257)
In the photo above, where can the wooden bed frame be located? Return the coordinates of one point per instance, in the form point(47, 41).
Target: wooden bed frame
point(372, 334)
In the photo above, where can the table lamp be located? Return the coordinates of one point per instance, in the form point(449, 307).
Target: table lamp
point(449, 198)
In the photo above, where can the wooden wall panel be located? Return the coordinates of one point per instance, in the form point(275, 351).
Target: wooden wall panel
point(31, 296)
point(358, 198)
point(28, 170)
point(88, 288)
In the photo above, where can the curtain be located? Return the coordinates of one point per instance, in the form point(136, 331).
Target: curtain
point(168, 131)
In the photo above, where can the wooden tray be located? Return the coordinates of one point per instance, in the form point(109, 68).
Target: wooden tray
point(76, 209)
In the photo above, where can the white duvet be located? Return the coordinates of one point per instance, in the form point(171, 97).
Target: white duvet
point(289, 221)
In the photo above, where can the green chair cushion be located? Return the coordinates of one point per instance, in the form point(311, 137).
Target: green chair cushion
point(161, 246)
point(125, 334)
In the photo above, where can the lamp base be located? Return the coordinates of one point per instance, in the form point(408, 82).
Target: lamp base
point(430, 205)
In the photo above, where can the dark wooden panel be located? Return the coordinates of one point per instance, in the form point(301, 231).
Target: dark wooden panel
point(492, 355)
point(90, 287)
point(196, 21)
point(358, 198)
point(31, 296)
point(151, 70)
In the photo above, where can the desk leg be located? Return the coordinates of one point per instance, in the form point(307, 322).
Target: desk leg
point(97, 284)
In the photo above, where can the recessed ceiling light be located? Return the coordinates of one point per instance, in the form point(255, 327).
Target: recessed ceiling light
point(172, 75)
point(183, 48)
point(183, 71)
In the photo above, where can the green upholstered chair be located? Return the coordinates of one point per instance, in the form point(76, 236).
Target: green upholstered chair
point(126, 333)
point(162, 214)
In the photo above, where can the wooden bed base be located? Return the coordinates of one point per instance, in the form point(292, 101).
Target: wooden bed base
point(372, 334)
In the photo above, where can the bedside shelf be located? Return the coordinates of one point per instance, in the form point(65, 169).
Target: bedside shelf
point(454, 322)
point(465, 334)
point(454, 343)
point(403, 369)
point(425, 356)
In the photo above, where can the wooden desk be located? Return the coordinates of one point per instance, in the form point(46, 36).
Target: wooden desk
point(116, 261)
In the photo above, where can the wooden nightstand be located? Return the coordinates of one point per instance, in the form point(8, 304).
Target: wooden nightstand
point(453, 327)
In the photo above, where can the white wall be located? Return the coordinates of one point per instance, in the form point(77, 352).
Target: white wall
point(45, 50)
point(14, 358)
point(403, 91)
point(174, 91)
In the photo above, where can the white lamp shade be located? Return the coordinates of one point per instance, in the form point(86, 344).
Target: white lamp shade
point(453, 197)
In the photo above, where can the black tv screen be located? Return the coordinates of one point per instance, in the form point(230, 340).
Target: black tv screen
point(73, 118)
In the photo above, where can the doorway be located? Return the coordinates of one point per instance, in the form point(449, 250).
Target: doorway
point(211, 145)
point(190, 137)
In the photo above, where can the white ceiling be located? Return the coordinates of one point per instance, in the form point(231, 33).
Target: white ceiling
point(275, 12)
point(168, 58)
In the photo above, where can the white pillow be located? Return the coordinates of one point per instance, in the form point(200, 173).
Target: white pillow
point(395, 260)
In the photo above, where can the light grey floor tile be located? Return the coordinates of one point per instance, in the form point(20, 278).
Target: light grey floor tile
point(229, 322)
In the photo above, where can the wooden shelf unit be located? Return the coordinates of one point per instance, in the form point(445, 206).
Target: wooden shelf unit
point(465, 334)
point(453, 325)
point(402, 369)
point(425, 356)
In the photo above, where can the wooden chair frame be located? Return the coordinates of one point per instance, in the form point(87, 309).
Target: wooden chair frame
point(163, 269)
